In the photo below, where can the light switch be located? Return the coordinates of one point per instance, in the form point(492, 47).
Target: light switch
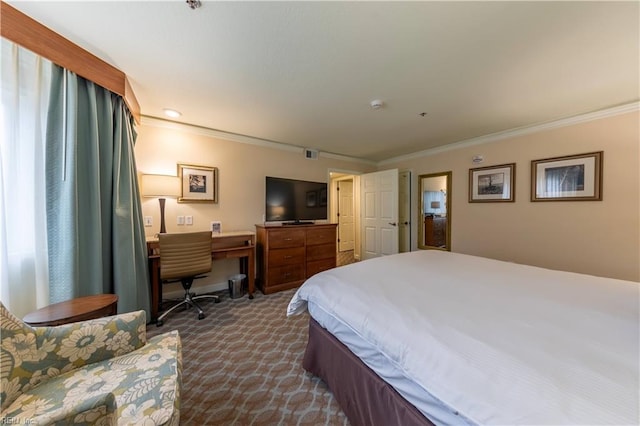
point(188, 220)
point(180, 220)
point(148, 221)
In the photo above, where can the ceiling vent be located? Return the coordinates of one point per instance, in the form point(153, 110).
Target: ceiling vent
point(310, 154)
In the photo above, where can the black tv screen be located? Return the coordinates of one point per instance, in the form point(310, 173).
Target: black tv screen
point(293, 200)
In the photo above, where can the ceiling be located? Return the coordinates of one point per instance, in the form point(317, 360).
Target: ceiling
point(305, 73)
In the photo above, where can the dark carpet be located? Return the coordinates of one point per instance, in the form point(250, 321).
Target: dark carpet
point(242, 365)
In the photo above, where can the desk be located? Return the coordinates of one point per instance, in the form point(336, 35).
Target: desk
point(74, 310)
point(228, 245)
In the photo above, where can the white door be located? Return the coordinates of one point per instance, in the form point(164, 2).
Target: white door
point(404, 212)
point(346, 218)
point(379, 211)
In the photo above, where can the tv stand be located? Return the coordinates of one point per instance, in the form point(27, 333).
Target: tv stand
point(288, 255)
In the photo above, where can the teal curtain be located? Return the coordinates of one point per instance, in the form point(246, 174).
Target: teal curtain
point(94, 220)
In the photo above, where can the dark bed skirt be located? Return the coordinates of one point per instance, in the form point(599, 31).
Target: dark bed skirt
point(364, 397)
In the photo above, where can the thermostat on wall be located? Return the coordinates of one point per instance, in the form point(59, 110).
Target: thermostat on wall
point(216, 227)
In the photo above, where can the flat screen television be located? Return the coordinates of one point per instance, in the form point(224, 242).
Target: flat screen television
point(295, 201)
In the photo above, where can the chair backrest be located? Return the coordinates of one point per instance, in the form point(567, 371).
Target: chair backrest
point(184, 255)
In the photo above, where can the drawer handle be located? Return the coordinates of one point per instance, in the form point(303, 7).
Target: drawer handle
point(288, 257)
point(288, 239)
point(287, 274)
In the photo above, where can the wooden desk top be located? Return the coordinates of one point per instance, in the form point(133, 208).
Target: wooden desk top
point(74, 310)
point(219, 242)
point(222, 235)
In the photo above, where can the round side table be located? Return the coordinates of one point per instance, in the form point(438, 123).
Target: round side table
point(74, 310)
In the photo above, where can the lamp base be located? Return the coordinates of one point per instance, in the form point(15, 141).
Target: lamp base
point(163, 229)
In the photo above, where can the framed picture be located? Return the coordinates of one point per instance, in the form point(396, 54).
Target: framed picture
point(199, 184)
point(492, 184)
point(570, 178)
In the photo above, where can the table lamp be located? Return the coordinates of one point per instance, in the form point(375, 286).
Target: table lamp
point(163, 187)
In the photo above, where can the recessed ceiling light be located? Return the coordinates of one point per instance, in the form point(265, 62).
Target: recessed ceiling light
point(172, 113)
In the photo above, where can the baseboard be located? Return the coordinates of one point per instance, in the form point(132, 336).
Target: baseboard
point(200, 289)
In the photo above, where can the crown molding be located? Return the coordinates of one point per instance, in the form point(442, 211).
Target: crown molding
point(493, 137)
point(147, 120)
point(520, 131)
point(341, 157)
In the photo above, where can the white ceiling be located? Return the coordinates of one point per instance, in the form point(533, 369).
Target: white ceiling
point(304, 73)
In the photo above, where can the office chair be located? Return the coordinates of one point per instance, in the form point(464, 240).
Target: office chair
point(183, 257)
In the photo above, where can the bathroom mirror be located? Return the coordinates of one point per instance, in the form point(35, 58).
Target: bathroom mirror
point(434, 231)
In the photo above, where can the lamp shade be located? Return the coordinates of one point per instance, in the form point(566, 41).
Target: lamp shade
point(435, 204)
point(160, 186)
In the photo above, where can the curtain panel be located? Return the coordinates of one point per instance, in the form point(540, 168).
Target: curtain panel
point(24, 282)
point(94, 220)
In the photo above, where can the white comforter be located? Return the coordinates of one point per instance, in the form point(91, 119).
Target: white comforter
point(497, 342)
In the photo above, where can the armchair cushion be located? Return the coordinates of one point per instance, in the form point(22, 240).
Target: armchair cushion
point(94, 372)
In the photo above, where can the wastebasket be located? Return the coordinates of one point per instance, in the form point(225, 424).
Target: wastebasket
point(236, 289)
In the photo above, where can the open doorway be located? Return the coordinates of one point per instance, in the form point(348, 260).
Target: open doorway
point(344, 212)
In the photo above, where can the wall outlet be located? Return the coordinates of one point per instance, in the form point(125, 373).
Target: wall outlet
point(180, 220)
point(188, 220)
point(148, 221)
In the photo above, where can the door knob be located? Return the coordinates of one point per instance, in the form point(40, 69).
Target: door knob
point(392, 223)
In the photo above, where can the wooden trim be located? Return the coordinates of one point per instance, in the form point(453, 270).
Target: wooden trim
point(131, 100)
point(30, 34)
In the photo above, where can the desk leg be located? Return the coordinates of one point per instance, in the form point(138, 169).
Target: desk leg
point(246, 267)
point(156, 287)
point(251, 273)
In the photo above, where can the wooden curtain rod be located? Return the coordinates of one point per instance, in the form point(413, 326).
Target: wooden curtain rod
point(32, 35)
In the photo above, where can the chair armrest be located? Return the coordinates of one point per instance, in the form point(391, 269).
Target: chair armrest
point(141, 387)
point(36, 354)
point(97, 410)
point(92, 341)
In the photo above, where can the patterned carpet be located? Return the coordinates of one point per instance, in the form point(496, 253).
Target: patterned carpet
point(345, 257)
point(243, 365)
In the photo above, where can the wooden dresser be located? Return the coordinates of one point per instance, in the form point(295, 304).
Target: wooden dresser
point(288, 255)
point(435, 231)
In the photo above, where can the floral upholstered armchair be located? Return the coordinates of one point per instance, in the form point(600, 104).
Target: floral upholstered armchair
point(101, 371)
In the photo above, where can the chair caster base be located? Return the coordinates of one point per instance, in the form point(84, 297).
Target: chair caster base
point(200, 316)
point(159, 323)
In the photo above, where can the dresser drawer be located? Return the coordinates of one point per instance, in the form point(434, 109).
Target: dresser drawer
point(283, 274)
point(321, 236)
point(286, 256)
point(322, 251)
point(282, 238)
point(316, 266)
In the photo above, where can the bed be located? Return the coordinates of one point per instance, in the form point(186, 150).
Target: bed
point(433, 337)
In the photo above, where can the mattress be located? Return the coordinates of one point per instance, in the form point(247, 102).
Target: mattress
point(473, 340)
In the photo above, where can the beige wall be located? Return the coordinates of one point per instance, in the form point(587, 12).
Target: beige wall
point(594, 237)
point(241, 169)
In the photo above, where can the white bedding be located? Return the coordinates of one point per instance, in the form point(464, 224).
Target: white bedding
point(493, 342)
